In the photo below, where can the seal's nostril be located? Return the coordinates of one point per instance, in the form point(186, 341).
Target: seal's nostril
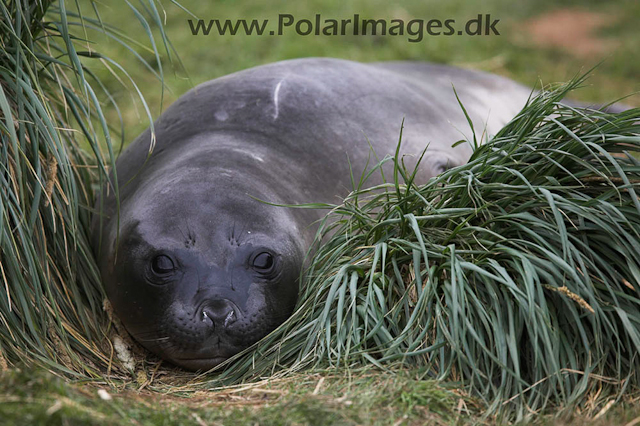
point(230, 319)
point(219, 311)
point(205, 317)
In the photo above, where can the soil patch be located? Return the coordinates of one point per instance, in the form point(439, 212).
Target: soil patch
point(573, 30)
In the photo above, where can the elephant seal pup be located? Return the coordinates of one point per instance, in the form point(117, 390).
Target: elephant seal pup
point(199, 269)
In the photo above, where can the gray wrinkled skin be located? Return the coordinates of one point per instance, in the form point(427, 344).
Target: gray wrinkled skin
point(201, 270)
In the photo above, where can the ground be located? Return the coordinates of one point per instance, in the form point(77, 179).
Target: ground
point(313, 398)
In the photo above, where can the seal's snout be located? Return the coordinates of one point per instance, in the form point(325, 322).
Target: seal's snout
point(220, 312)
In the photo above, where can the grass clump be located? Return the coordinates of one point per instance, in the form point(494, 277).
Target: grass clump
point(52, 128)
point(516, 275)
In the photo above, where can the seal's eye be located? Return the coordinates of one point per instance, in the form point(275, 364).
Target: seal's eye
point(263, 261)
point(162, 265)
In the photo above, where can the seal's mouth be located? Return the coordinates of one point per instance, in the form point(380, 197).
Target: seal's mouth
point(199, 364)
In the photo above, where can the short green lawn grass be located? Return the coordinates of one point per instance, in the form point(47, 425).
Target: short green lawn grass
point(512, 53)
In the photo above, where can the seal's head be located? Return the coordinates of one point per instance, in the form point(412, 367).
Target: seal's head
point(200, 270)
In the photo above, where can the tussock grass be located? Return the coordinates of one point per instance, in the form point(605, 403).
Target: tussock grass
point(516, 275)
point(52, 128)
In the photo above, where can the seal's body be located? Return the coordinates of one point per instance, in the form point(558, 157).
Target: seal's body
point(201, 269)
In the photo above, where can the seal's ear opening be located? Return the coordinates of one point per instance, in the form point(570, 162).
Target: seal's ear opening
point(442, 164)
point(99, 221)
point(112, 242)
